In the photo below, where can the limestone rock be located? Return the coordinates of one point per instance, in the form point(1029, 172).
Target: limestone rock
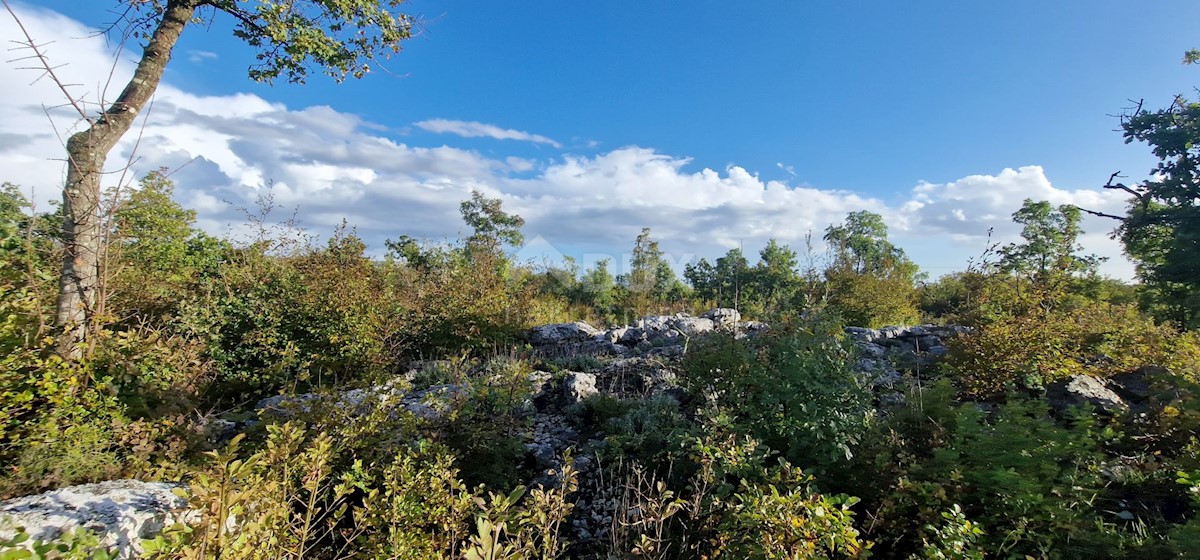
point(560, 333)
point(578, 386)
point(723, 316)
point(1080, 389)
point(120, 512)
point(692, 326)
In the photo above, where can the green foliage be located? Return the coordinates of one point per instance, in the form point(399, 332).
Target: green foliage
point(598, 288)
point(246, 505)
point(1047, 255)
point(723, 283)
point(80, 544)
point(955, 538)
point(785, 518)
point(154, 253)
point(247, 320)
point(485, 425)
point(651, 283)
point(298, 498)
point(508, 527)
point(1038, 348)
point(870, 282)
point(339, 38)
point(492, 226)
point(1161, 231)
point(414, 507)
point(953, 298)
point(1031, 482)
point(642, 430)
point(861, 244)
point(794, 390)
point(774, 288)
point(874, 299)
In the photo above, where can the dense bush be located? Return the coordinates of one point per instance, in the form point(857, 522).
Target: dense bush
point(1036, 348)
point(793, 389)
point(1010, 480)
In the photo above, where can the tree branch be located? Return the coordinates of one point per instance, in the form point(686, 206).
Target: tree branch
point(1102, 214)
point(46, 67)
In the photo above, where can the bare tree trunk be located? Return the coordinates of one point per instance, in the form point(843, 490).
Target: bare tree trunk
point(86, 153)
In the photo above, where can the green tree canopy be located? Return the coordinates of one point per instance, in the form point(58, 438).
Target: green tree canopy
point(1049, 252)
point(1161, 231)
point(870, 281)
point(861, 242)
point(492, 226)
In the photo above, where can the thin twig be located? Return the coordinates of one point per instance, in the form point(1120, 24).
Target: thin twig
point(46, 67)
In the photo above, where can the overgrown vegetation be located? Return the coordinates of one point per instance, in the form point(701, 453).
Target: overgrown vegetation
point(780, 451)
point(766, 445)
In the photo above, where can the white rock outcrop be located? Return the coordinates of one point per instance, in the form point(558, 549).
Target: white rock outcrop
point(120, 512)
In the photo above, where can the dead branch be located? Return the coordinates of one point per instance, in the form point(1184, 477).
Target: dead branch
point(1101, 214)
point(46, 67)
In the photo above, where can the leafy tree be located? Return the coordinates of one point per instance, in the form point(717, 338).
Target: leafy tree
point(154, 251)
point(492, 226)
point(870, 281)
point(701, 275)
point(410, 249)
point(1161, 230)
point(861, 243)
point(597, 287)
point(28, 252)
point(667, 286)
point(650, 281)
point(722, 283)
point(1048, 255)
point(774, 280)
point(340, 38)
point(644, 264)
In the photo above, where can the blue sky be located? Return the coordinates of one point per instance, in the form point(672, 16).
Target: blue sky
point(911, 109)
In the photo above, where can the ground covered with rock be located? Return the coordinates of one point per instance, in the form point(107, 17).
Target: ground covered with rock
point(673, 436)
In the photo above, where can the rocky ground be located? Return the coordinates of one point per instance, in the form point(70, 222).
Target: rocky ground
point(636, 361)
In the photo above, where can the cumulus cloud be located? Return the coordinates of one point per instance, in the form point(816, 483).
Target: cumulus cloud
point(326, 165)
point(472, 129)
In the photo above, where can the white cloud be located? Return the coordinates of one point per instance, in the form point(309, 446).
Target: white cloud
point(965, 210)
point(328, 165)
point(472, 129)
point(197, 56)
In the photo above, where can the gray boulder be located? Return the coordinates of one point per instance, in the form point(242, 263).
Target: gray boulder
point(560, 333)
point(614, 335)
point(631, 336)
point(120, 512)
point(723, 316)
point(1080, 389)
point(863, 335)
point(873, 350)
point(578, 386)
point(656, 323)
point(429, 403)
point(693, 326)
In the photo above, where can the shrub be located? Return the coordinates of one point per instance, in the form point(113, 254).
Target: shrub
point(793, 389)
point(785, 518)
point(872, 299)
point(487, 425)
point(1034, 349)
point(1031, 482)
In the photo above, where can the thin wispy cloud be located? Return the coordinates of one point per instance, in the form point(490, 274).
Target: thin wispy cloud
point(198, 56)
point(473, 129)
